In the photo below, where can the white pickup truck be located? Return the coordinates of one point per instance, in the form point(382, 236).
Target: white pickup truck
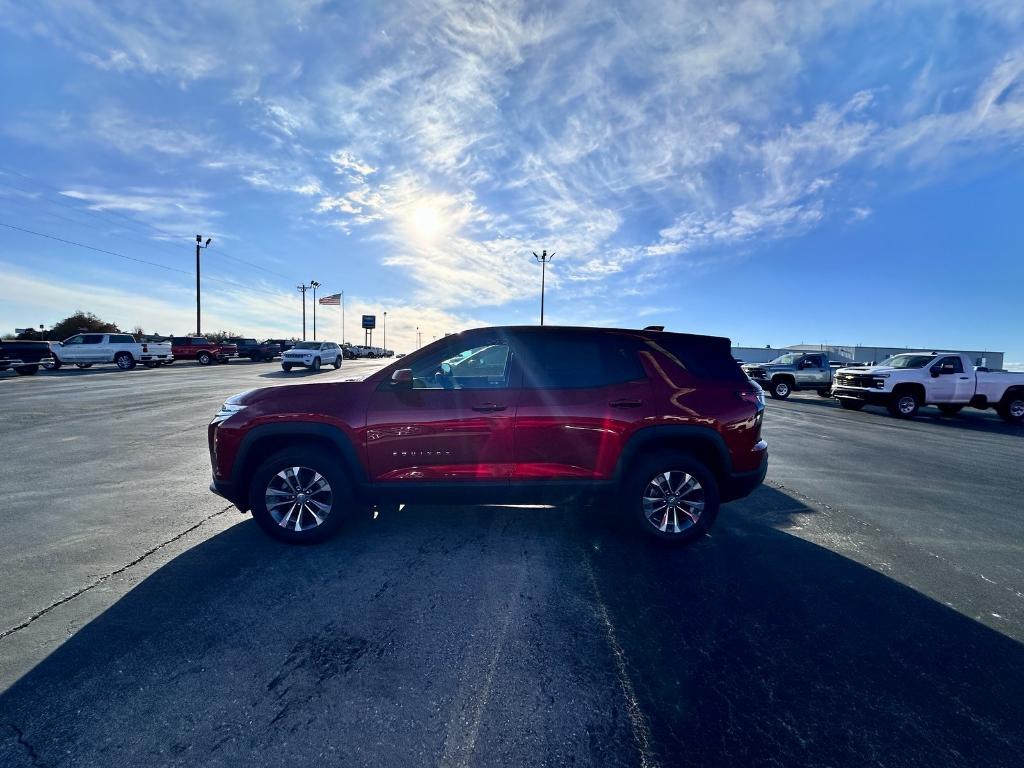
point(87, 349)
point(905, 382)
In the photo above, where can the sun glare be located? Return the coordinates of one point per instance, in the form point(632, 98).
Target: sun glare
point(427, 221)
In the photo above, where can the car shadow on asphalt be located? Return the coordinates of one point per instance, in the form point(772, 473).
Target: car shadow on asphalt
point(970, 419)
point(295, 373)
point(523, 635)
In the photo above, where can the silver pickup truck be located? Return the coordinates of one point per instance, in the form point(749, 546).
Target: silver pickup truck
point(792, 372)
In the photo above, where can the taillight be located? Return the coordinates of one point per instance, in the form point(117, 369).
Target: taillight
point(753, 396)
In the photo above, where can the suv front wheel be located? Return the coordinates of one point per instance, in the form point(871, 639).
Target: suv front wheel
point(674, 496)
point(299, 496)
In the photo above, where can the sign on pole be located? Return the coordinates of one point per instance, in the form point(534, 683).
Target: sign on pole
point(369, 321)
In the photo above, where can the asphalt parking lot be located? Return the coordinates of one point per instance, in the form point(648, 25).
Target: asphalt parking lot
point(865, 607)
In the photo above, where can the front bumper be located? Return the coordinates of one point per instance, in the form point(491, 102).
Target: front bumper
point(869, 396)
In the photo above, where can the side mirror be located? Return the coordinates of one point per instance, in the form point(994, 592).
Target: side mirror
point(402, 378)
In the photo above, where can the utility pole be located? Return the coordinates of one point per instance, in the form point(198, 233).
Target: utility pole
point(302, 289)
point(385, 333)
point(199, 312)
point(314, 285)
point(543, 259)
point(419, 343)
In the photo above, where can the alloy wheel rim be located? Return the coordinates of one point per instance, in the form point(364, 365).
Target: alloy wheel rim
point(1017, 409)
point(122, 362)
point(299, 498)
point(906, 404)
point(673, 501)
point(782, 389)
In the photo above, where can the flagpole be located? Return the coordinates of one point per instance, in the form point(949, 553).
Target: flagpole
point(342, 317)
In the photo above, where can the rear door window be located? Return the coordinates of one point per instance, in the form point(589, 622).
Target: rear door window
point(578, 361)
point(93, 338)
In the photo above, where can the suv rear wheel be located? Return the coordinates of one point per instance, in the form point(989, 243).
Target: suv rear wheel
point(674, 496)
point(299, 496)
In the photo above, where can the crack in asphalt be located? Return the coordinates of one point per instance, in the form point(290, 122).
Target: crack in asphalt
point(30, 750)
point(95, 583)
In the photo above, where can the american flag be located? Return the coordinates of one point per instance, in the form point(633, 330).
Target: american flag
point(334, 300)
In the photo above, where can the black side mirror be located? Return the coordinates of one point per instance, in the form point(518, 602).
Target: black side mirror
point(402, 378)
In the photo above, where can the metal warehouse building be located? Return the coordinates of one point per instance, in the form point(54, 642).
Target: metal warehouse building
point(861, 354)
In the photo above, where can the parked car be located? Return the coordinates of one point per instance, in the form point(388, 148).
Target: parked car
point(202, 350)
point(312, 355)
point(905, 382)
point(257, 351)
point(285, 344)
point(85, 350)
point(24, 357)
point(665, 423)
point(792, 372)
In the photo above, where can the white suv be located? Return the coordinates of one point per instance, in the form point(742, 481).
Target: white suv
point(312, 354)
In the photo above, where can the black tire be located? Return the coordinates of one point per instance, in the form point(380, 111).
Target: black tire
point(851, 405)
point(124, 361)
point(781, 388)
point(268, 359)
point(824, 393)
point(204, 358)
point(1012, 409)
point(266, 477)
point(56, 365)
point(27, 370)
point(949, 409)
point(83, 366)
point(315, 367)
point(151, 363)
point(905, 404)
point(337, 363)
point(644, 474)
point(286, 366)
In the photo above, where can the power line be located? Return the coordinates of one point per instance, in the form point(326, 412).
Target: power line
point(104, 214)
point(133, 258)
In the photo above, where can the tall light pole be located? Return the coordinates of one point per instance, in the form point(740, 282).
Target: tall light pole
point(385, 333)
point(314, 285)
point(418, 342)
point(199, 312)
point(302, 289)
point(544, 258)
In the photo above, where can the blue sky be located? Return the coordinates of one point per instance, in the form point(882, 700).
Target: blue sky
point(777, 172)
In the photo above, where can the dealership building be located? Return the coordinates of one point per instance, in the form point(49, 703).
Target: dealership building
point(862, 354)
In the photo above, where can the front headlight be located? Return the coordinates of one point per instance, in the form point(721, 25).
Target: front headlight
point(227, 411)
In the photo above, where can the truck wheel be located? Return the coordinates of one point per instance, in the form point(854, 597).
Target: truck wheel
point(204, 358)
point(315, 367)
point(780, 389)
point(949, 409)
point(83, 366)
point(904, 405)
point(124, 361)
point(300, 496)
point(56, 365)
point(824, 393)
point(27, 370)
point(150, 363)
point(337, 363)
point(674, 497)
point(1012, 410)
point(850, 404)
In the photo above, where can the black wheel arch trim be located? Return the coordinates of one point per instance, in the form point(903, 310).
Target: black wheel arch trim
point(299, 430)
point(683, 433)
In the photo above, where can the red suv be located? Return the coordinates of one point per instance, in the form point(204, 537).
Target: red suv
point(665, 423)
point(201, 349)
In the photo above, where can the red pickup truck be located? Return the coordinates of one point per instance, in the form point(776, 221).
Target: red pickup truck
point(202, 350)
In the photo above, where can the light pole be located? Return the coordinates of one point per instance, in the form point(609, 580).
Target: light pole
point(302, 289)
point(199, 312)
point(544, 258)
point(418, 342)
point(385, 333)
point(314, 285)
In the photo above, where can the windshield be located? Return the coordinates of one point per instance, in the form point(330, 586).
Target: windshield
point(785, 359)
point(307, 345)
point(907, 361)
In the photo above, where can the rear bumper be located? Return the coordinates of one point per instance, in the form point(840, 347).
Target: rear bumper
point(736, 485)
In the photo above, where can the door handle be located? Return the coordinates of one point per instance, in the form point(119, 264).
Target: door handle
point(489, 407)
point(963, 378)
point(624, 403)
